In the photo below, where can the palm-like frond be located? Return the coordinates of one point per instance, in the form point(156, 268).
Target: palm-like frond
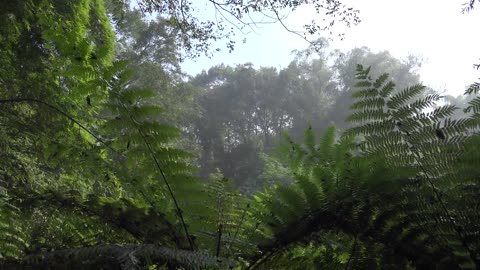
point(397, 189)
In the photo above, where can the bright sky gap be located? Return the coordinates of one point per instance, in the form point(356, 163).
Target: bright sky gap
point(436, 31)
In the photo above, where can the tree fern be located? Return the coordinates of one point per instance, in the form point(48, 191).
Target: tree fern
point(221, 223)
point(409, 136)
point(92, 177)
point(387, 185)
point(293, 211)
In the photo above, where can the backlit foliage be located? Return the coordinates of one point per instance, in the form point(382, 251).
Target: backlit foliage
point(90, 178)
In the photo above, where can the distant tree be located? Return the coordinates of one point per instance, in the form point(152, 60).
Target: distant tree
point(311, 89)
point(227, 127)
point(244, 110)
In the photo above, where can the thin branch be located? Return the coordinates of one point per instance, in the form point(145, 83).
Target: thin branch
point(52, 107)
point(169, 188)
point(260, 260)
point(69, 201)
point(240, 223)
point(280, 20)
point(220, 8)
point(20, 100)
point(154, 208)
point(438, 196)
point(178, 209)
point(468, 6)
point(219, 239)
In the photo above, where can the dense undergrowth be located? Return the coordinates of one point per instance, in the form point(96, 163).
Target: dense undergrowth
point(91, 179)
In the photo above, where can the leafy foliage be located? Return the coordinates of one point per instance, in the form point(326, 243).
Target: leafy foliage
point(12, 237)
point(197, 35)
point(91, 174)
point(391, 187)
point(244, 110)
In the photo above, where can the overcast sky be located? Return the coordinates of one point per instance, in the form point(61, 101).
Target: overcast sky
point(436, 30)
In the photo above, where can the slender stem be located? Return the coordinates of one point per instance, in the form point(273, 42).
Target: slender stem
point(440, 200)
point(154, 207)
point(219, 239)
point(179, 212)
point(169, 188)
point(240, 223)
point(352, 253)
point(280, 20)
point(260, 261)
point(20, 100)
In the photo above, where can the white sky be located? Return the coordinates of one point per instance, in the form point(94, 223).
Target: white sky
point(436, 30)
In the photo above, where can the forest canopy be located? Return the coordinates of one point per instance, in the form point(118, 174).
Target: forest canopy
point(112, 157)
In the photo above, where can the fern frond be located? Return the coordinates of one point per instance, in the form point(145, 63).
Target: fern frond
point(387, 89)
point(309, 140)
point(143, 223)
point(312, 193)
point(365, 84)
point(376, 102)
point(428, 143)
point(327, 143)
point(366, 93)
point(380, 81)
point(473, 105)
point(473, 89)
point(292, 199)
point(367, 115)
point(403, 96)
point(361, 73)
point(12, 236)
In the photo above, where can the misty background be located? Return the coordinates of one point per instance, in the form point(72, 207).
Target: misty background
point(233, 106)
point(239, 134)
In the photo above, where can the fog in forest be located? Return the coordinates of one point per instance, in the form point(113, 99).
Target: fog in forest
point(278, 79)
point(239, 134)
